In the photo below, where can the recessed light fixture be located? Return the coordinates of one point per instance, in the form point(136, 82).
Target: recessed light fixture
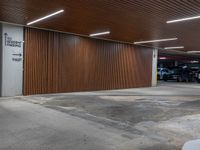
point(100, 33)
point(184, 19)
point(159, 40)
point(45, 17)
point(177, 47)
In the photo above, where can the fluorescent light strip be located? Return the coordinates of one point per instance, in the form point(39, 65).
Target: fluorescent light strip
point(163, 58)
point(45, 17)
point(193, 52)
point(183, 19)
point(177, 47)
point(101, 33)
point(152, 41)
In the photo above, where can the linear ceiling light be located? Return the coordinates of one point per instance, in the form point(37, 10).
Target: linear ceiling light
point(152, 41)
point(193, 51)
point(162, 58)
point(184, 19)
point(45, 17)
point(101, 33)
point(177, 47)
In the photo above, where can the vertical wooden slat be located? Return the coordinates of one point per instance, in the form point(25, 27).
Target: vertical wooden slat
point(56, 62)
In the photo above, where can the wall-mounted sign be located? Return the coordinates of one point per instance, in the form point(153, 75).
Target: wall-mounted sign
point(17, 54)
point(17, 59)
point(10, 42)
point(12, 60)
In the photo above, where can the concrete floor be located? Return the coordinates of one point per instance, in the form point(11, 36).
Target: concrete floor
point(162, 117)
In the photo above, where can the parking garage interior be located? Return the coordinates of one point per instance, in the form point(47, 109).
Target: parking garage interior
point(103, 75)
point(178, 67)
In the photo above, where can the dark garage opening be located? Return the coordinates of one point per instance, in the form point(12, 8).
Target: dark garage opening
point(178, 67)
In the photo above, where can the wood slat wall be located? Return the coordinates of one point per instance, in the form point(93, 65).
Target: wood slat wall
point(57, 62)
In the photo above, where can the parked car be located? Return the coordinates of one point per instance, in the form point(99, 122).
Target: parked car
point(175, 73)
point(163, 73)
point(180, 74)
point(187, 74)
point(197, 75)
point(194, 72)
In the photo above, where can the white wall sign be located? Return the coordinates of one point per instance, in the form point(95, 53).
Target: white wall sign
point(12, 60)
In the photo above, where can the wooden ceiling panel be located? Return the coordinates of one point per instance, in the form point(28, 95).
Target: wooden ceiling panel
point(128, 20)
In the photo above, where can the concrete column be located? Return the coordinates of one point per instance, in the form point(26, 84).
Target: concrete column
point(154, 67)
point(11, 60)
point(176, 63)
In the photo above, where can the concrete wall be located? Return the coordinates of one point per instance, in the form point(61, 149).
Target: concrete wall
point(154, 67)
point(11, 60)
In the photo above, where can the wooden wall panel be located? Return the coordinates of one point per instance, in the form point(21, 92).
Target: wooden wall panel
point(56, 62)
